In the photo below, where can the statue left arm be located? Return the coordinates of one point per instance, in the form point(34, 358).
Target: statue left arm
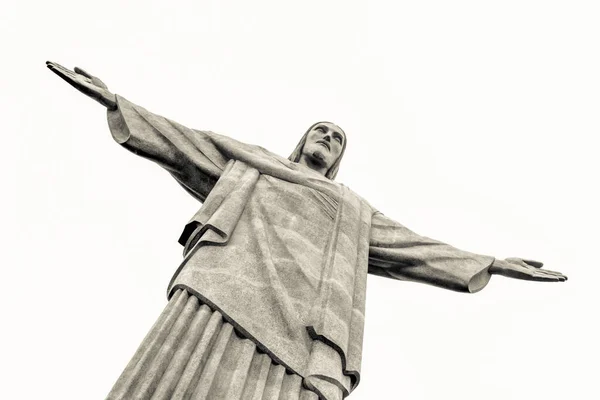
point(397, 252)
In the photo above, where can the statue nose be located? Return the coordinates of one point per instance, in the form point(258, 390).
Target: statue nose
point(327, 137)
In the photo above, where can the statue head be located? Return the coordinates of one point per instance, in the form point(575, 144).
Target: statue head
point(321, 148)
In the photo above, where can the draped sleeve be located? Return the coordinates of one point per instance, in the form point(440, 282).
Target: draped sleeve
point(190, 156)
point(397, 252)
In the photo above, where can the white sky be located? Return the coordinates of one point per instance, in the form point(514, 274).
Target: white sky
point(471, 122)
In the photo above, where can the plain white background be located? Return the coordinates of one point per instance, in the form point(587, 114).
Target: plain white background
point(471, 122)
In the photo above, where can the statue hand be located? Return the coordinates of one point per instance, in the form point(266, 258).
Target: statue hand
point(525, 269)
point(86, 84)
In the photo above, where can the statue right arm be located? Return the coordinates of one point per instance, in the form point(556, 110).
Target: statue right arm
point(190, 156)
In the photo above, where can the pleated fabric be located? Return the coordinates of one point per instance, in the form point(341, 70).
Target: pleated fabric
point(192, 353)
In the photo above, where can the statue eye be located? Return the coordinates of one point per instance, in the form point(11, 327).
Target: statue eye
point(320, 129)
point(338, 138)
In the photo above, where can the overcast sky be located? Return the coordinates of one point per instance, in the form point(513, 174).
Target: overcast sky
point(472, 122)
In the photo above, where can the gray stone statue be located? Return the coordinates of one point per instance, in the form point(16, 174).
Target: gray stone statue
point(269, 300)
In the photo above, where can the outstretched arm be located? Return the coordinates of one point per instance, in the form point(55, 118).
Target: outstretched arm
point(190, 156)
point(397, 252)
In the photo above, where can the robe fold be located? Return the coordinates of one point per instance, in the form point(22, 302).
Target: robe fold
point(283, 252)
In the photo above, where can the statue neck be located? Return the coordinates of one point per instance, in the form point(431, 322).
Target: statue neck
point(313, 164)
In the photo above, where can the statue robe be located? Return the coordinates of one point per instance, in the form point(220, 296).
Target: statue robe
point(283, 252)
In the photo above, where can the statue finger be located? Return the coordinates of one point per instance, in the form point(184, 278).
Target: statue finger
point(83, 72)
point(552, 277)
point(98, 82)
point(61, 71)
point(533, 263)
point(52, 64)
point(92, 79)
point(556, 274)
point(516, 260)
point(547, 271)
point(57, 66)
point(544, 278)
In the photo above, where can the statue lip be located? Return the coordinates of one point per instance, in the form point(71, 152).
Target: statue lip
point(324, 143)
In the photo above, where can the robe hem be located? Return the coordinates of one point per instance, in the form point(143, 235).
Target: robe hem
point(353, 375)
point(237, 326)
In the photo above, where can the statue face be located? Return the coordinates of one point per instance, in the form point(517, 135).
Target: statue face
point(324, 144)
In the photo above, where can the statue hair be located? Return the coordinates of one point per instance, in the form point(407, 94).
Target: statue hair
point(297, 153)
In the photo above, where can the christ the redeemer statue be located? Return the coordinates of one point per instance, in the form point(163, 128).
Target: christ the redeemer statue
point(269, 300)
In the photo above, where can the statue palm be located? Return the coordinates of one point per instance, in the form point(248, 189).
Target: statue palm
point(525, 269)
point(93, 87)
point(86, 84)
